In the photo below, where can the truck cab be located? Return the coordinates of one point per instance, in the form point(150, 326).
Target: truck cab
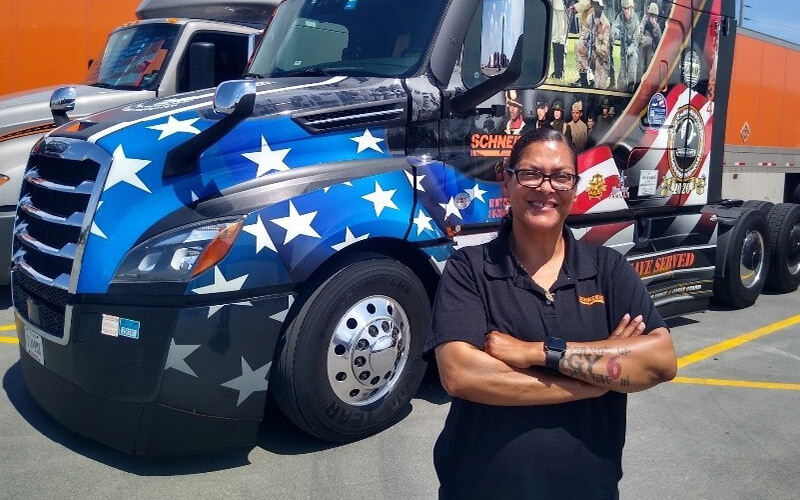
point(178, 259)
point(171, 48)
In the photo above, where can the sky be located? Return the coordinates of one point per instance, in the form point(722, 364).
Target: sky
point(778, 18)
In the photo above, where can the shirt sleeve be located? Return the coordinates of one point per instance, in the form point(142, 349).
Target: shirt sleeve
point(458, 311)
point(629, 295)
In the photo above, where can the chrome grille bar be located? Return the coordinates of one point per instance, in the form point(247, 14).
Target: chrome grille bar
point(35, 178)
point(75, 220)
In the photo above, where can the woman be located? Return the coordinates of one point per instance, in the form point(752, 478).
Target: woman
point(538, 337)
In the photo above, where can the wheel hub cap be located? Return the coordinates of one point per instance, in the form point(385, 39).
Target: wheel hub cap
point(368, 350)
point(752, 261)
point(793, 258)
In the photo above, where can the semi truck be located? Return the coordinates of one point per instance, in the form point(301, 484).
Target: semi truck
point(175, 46)
point(762, 141)
point(285, 234)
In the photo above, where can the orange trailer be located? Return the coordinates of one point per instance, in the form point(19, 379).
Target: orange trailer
point(43, 42)
point(762, 133)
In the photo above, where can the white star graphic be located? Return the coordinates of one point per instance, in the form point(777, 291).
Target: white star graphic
point(176, 358)
point(326, 189)
point(174, 126)
point(367, 141)
point(410, 178)
point(249, 381)
point(221, 285)
point(281, 315)
point(296, 224)
point(262, 236)
point(423, 222)
point(95, 230)
point(439, 264)
point(450, 208)
point(124, 169)
point(213, 309)
point(267, 159)
point(194, 196)
point(381, 199)
point(349, 239)
point(476, 193)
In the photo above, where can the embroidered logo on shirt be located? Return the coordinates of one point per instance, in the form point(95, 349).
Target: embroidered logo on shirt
point(594, 299)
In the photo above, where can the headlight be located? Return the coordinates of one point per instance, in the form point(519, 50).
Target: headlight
point(180, 254)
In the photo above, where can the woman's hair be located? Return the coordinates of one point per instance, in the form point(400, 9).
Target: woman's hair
point(544, 134)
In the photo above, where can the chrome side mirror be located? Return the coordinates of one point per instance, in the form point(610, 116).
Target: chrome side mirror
point(235, 97)
point(62, 101)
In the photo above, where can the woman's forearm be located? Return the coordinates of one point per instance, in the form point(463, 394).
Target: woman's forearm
point(469, 373)
point(623, 365)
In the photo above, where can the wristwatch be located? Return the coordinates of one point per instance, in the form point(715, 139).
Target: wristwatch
point(554, 349)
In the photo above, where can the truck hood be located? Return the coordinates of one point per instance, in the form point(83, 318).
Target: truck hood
point(289, 129)
point(31, 109)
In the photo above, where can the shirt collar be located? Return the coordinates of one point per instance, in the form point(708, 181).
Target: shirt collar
point(500, 263)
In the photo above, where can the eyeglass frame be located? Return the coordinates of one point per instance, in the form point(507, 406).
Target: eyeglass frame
point(548, 177)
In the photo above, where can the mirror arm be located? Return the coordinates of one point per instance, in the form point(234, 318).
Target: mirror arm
point(183, 159)
point(469, 100)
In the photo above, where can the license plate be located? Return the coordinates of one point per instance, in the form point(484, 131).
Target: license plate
point(33, 345)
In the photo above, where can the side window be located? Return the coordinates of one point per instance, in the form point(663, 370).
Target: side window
point(230, 57)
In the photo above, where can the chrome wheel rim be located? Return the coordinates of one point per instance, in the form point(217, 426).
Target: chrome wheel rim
point(751, 265)
point(793, 255)
point(368, 350)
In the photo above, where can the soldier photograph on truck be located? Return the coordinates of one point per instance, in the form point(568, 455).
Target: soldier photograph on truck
point(178, 259)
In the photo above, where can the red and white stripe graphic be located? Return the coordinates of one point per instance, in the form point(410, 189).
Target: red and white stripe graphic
point(592, 163)
point(618, 236)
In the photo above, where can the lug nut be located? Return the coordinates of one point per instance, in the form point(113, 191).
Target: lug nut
point(364, 375)
point(373, 330)
point(359, 361)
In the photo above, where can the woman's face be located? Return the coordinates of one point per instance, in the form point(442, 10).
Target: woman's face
point(542, 208)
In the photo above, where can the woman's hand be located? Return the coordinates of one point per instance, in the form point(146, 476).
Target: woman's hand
point(628, 327)
point(512, 351)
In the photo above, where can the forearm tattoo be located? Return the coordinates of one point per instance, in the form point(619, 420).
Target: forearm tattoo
point(596, 364)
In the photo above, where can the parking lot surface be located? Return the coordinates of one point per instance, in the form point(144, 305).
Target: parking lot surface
point(725, 428)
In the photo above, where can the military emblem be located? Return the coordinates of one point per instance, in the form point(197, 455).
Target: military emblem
point(596, 187)
point(691, 68)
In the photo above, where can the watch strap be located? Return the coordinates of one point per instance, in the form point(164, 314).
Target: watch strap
point(554, 349)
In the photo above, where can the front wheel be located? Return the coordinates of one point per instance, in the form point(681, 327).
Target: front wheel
point(351, 359)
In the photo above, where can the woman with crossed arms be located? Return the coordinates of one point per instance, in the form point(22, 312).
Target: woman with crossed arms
point(538, 338)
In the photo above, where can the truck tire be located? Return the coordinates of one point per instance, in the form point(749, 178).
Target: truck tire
point(784, 269)
point(764, 207)
point(351, 357)
point(747, 262)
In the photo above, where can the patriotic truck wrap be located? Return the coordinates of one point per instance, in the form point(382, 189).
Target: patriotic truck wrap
point(177, 259)
point(175, 46)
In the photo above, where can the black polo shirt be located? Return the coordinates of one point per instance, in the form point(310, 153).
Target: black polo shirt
point(569, 450)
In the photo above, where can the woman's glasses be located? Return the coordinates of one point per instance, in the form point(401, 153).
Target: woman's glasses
point(560, 181)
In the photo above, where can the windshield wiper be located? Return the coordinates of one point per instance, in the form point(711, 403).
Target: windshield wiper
point(312, 71)
point(253, 75)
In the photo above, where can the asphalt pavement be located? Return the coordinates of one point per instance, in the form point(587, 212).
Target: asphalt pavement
point(726, 428)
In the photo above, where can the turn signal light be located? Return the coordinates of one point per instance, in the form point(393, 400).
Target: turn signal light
point(3, 179)
point(218, 248)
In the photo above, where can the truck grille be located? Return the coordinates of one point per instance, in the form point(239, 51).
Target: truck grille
point(54, 211)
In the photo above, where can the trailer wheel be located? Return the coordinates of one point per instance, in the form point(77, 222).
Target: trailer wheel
point(784, 270)
point(764, 207)
point(747, 262)
point(351, 359)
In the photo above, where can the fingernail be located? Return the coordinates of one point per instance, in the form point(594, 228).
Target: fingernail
point(640, 327)
point(626, 317)
point(638, 318)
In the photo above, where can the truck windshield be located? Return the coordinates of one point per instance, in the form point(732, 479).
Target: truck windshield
point(133, 57)
point(383, 38)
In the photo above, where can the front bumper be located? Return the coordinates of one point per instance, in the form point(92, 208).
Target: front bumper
point(194, 381)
